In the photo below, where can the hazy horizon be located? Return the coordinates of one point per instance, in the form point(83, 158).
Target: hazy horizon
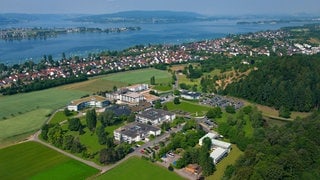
point(205, 7)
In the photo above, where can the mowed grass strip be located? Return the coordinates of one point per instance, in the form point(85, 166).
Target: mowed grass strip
point(32, 160)
point(136, 168)
point(140, 76)
point(21, 124)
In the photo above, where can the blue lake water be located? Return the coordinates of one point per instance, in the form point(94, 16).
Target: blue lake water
point(12, 52)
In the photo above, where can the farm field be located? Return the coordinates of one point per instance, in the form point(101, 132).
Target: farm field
point(40, 162)
point(136, 168)
point(24, 113)
point(52, 99)
point(22, 124)
point(222, 165)
point(188, 107)
point(94, 85)
point(140, 76)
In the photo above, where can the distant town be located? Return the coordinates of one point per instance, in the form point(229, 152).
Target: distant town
point(267, 43)
point(44, 33)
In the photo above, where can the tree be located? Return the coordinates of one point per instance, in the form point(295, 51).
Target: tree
point(158, 104)
point(206, 143)
point(176, 100)
point(67, 142)
point(131, 117)
point(165, 107)
point(230, 109)
point(63, 55)
point(153, 80)
point(67, 112)
point(107, 118)
point(176, 92)
point(114, 88)
point(44, 131)
point(102, 135)
point(284, 112)
point(74, 124)
point(165, 126)
point(55, 135)
point(91, 118)
point(214, 113)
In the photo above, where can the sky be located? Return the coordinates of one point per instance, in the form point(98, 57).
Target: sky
point(206, 7)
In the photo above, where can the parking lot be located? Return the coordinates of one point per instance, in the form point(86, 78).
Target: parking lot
point(221, 101)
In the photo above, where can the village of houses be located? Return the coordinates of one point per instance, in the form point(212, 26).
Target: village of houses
point(137, 99)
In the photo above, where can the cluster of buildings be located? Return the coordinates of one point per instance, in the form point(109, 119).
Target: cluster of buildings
point(147, 123)
point(135, 132)
point(220, 149)
point(138, 57)
point(132, 94)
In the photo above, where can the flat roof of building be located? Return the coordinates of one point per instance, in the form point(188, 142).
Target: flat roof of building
point(132, 94)
point(154, 114)
point(133, 129)
point(222, 144)
point(149, 97)
point(218, 152)
point(87, 99)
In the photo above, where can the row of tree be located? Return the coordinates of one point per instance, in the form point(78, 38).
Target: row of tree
point(20, 87)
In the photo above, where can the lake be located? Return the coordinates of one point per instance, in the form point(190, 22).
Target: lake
point(14, 52)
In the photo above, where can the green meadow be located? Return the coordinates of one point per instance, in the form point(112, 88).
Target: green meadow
point(137, 168)
point(190, 107)
point(32, 160)
point(140, 76)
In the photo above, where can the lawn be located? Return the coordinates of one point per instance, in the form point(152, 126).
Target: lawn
point(136, 168)
point(60, 116)
point(190, 107)
point(222, 165)
point(89, 139)
point(23, 123)
point(31, 160)
point(140, 76)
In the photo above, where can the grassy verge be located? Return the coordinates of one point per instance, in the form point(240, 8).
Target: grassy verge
point(222, 165)
point(136, 168)
point(40, 162)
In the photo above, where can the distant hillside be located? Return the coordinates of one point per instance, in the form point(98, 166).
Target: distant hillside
point(290, 82)
point(143, 17)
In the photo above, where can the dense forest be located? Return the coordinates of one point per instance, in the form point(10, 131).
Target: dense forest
point(288, 152)
point(291, 82)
